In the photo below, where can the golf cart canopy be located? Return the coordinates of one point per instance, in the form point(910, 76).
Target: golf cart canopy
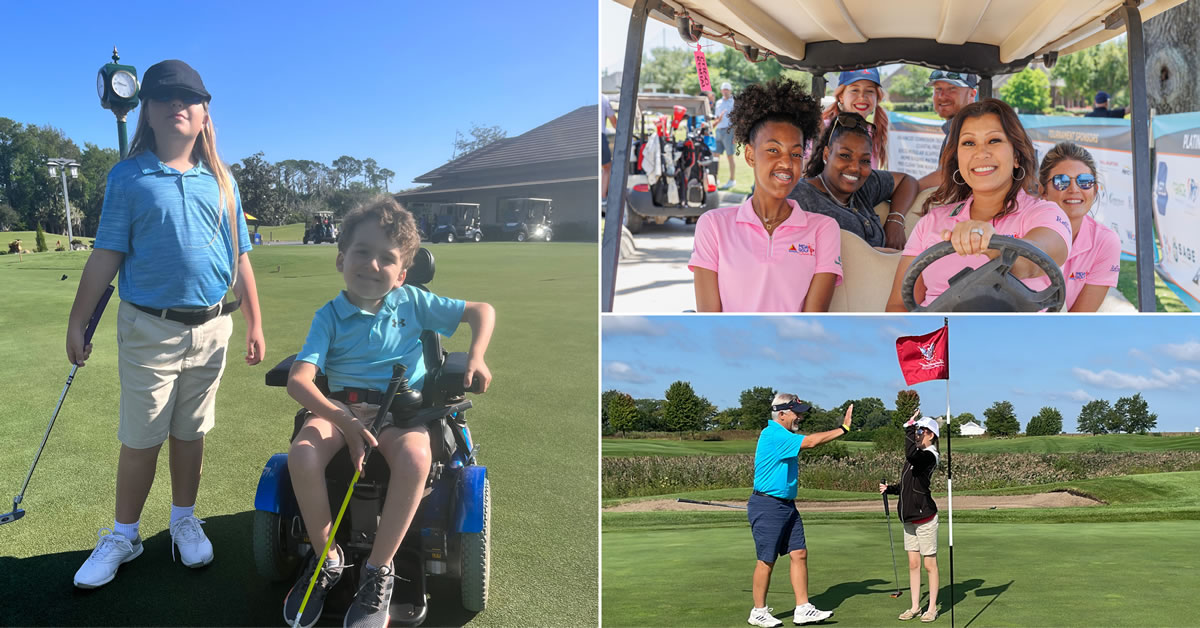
point(977, 36)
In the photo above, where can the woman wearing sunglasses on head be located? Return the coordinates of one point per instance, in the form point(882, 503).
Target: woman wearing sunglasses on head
point(841, 184)
point(1068, 177)
point(990, 160)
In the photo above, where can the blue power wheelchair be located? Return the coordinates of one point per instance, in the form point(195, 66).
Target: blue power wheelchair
point(450, 536)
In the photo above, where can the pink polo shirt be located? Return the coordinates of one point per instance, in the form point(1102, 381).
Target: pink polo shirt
point(1032, 212)
point(757, 272)
point(1095, 259)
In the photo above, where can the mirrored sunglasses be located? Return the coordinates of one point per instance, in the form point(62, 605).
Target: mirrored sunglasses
point(851, 120)
point(1085, 181)
point(184, 96)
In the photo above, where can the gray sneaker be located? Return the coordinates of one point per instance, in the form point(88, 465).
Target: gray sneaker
point(370, 607)
point(328, 577)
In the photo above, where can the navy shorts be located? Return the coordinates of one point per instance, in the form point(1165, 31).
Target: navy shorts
point(605, 152)
point(776, 526)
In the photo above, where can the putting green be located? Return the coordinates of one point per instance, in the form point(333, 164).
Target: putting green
point(536, 429)
point(1027, 574)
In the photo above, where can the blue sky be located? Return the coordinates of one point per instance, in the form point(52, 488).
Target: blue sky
point(313, 79)
point(1032, 361)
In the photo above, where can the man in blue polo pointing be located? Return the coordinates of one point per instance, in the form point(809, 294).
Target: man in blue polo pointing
point(774, 520)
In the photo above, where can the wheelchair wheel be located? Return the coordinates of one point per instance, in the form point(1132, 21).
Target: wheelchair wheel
point(271, 556)
point(476, 558)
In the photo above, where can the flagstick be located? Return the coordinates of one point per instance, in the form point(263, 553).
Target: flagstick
point(949, 473)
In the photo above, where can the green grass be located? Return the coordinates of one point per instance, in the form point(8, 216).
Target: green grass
point(536, 430)
point(1005, 575)
point(293, 232)
point(619, 447)
point(1035, 573)
point(1164, 299)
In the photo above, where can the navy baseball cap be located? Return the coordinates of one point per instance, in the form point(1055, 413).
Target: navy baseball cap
point(867, 74)
point(164, 77)
point(960, 79)
point(795, 405)
point(1101, 97)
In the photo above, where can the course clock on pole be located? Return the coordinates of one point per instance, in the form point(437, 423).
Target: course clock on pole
point(117, 86)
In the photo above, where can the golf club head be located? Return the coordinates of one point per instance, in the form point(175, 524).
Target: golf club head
point(10, 517)
point(896, 594)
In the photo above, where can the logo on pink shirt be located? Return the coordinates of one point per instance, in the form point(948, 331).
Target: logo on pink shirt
point(1080, 275)
point(1114, 269)
point(802, 249)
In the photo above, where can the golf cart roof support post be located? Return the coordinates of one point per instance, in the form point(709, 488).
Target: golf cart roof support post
point(1140, 143)
point(985, 87)
point(818, 86)
point(631, 77)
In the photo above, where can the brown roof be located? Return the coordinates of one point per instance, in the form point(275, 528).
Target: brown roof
point(571, 136)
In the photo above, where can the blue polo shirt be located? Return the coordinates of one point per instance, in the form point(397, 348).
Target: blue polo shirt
point(775, 461)
point(175, 237)
point(357, 349)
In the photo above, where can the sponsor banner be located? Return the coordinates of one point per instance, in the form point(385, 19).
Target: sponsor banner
point(914, 144)
point(1177, 202)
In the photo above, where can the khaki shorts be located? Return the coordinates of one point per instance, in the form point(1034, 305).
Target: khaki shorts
point(364, 412)
point(169, 376)
point(921, 538)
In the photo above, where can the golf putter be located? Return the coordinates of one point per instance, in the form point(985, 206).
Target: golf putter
point(17, 512)
point(888, 515)
point(393, 385)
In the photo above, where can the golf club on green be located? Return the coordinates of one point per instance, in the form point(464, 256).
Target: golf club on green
point(393, 385)
point(888, 515)
point(17, 512)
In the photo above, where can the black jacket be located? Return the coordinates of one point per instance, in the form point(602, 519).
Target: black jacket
point(1104, 112)
point(916, 502)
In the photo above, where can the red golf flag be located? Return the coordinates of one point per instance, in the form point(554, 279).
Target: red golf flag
point(923, 358)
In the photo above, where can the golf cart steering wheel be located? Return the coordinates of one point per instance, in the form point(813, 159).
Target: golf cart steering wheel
point(991, 287)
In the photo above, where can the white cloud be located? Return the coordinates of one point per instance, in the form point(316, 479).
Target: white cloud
point(632, 326)
point(1079, 394)
point(1174, 378)
point(1189, 351)
point(796, 328)
point(622, 372)
point(892, 332)
point(771, 354)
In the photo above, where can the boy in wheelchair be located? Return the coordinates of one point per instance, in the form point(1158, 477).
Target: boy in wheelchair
point(355, 339)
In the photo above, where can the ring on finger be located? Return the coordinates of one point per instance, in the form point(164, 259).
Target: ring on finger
point(977, 231)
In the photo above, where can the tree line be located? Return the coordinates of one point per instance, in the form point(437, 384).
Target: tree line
point(683, 410)
point(275, 193)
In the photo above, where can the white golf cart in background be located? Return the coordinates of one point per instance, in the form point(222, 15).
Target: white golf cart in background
point(823, 36)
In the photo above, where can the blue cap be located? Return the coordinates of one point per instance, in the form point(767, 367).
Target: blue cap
point(868, 74)
point(959, 79)
point(1101, 97)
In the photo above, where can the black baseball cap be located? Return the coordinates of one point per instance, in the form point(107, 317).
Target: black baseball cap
point(166, 76)
point(795, 405)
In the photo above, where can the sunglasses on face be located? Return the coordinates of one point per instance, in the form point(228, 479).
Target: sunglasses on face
point(1085, 181)
point(186, 97)
point(851, 121)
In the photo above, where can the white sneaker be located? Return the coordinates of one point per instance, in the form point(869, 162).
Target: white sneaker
point(111, 551)
point(763, 617)
point(808, 614)
point(194, 548)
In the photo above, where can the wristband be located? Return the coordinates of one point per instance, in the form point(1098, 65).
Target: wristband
point(845, 430)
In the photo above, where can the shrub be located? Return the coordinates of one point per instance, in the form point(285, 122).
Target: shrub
point(41, 240)
point(14, 246)
point(888, 439)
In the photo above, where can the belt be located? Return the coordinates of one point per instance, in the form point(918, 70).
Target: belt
point(192, 317)
point(762, 494)
point(358, 395)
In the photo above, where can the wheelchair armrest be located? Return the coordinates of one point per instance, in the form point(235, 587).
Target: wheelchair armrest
point(428, 415)
point(449, 381)
point(278, 375)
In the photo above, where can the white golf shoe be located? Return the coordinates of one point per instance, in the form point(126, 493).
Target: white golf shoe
point(808, 614)
point(763, 617)
point(112, 550)
point(195, 550)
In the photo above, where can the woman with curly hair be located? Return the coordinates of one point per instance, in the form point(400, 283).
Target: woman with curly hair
point(841, 184)
point(862, 92)
point(990, 159)
point(768, 254)
point(1068, 177)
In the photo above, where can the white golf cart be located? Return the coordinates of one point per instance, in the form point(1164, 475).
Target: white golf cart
point(976, 36)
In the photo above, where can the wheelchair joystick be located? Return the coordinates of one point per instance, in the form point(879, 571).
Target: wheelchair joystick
point(404, 401)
